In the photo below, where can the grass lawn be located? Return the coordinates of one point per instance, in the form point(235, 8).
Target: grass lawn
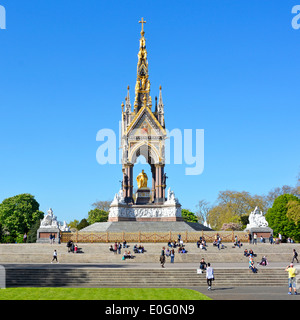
point(100, 294)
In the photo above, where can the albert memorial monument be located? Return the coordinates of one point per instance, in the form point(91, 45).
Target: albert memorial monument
point(153, 207)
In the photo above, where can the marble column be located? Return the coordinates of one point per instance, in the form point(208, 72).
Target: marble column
point(130, 179)
point(128, 183)
point(159, 192)
point(153, 171)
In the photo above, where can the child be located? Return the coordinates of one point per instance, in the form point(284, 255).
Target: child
point(54, 256)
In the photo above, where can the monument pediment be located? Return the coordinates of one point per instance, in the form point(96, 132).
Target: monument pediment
point(145, 124)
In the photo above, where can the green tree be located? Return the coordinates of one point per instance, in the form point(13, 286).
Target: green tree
point(279, 220)
point(97, 215)
point(276, 192)
point(293, 212)
point(244, 219)
point(188, 216)
point(32, 233)
point(82, 224)
point(73, 224)
point(18, 214)
point(1, 233)
point(232, 206)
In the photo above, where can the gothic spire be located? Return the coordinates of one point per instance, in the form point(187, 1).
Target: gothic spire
point(128, 104)
point(160, 109)
point(142, 87)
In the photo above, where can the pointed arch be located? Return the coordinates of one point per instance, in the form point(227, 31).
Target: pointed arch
point(145, 149)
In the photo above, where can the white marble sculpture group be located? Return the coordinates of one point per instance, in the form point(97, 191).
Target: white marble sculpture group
point(257, 219)
point(170, 208)
point(50, 221)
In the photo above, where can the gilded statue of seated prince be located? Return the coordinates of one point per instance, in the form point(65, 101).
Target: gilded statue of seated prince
point(142, 180)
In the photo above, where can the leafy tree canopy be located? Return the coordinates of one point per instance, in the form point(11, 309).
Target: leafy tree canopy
point(97, 215)
point(82, 224)
point(283, 217)
point(233, 207)
point(18, 214)
point(73, 224)
point(188, 216)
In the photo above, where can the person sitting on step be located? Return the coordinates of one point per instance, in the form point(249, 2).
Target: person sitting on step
point(264, 261)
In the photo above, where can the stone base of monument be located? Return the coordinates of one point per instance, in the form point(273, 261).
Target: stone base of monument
point(265, 232)
point(145, 226)
point(143, 196)
point(145, 212)
point(43, 234)
point(144, 215)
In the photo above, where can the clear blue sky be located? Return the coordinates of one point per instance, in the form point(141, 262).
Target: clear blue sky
point(228, 67)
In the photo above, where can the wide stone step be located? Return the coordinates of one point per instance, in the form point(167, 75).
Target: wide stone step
point(146, 258)
point(99, 253)
point(139, 272)
point(139, 278)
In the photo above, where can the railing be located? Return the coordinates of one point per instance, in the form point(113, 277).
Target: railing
point(153, 237)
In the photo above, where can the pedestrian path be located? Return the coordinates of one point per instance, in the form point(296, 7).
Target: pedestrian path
point(248, 293)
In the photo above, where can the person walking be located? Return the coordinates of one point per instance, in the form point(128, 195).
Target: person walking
point(295, 256)
point(54, 256)
point(249, 238)
point(172, 255)
point(209, 276)
point(292, 278)
point(255, 238)
point(162, 257)
point(179, 238)
point(271, 239)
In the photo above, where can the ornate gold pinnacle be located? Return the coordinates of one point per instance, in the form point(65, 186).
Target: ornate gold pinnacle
point(142, 22)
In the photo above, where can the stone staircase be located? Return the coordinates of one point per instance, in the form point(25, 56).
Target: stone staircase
point(139, 278)
point(95, 266)
point(99, 253)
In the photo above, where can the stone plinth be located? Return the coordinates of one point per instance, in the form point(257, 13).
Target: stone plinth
point(43, 234)
point(143, 196)
point(145, 226)
point(265, 232)
point(150, 212)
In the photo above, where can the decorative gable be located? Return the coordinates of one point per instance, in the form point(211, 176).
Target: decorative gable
point(145, 124)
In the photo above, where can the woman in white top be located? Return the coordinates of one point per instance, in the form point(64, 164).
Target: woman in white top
point(209, 276)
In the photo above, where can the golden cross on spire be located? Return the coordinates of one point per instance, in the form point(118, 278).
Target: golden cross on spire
point(142, 22)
